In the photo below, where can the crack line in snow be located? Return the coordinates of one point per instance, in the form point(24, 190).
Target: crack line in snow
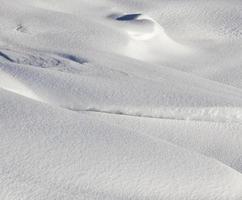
point(185, 117)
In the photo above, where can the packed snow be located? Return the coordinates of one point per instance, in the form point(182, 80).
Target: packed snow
point(120, 100)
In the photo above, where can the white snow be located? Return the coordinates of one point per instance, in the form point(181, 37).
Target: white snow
point(120, 99)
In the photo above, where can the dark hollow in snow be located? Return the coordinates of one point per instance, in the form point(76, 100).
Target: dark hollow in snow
point(74, 58)
point(3, 55)
point(128, 17)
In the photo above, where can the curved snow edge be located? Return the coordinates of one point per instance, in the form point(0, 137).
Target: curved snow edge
point(212, 114)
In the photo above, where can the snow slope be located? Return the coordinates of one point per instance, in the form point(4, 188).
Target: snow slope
point(115, 99)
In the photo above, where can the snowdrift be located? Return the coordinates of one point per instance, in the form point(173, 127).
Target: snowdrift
point(117, 100)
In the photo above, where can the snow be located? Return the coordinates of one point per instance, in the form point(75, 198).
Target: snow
point(115, 99)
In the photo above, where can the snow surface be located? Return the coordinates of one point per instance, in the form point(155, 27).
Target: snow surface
point(120, 99)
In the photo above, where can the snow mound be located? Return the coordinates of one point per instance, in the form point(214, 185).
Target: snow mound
point(148, 39)
point(67, 155)
point(12, 84)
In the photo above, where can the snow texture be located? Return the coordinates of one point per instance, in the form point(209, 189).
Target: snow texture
point(120, 100)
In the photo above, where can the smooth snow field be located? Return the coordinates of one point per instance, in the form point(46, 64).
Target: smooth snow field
point(120, 100)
